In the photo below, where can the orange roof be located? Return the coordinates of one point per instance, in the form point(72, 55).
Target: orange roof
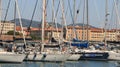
point(18, 28)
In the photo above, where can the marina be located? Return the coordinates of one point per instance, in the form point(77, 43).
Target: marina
point(53, 42)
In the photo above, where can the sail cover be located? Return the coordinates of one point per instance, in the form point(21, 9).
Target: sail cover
point(78, 43)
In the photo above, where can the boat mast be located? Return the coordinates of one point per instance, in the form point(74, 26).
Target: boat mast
point(0, 12)
point(118, 17)
point(20, 21)
point(63, 18)
point(14, 21)
point(87, 20)
point(0, 17)
point(74, 13)
point(52, 20)
point(106, 20)
point(83, 27)
point(5, 17)
point(14, 27)
point(43, 23)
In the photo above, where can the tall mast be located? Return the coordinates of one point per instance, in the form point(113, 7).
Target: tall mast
point(14, 21)
point(53, 16)
point(63, 17)
point(62, 8)
point(43, 22)
point(0, 11)
point(83, 27)
point(74, 18)
point(87, 20)
point(0, 16)
point(53, 11)
point(106, 20)
point(20, 21)
point(74, 13)
point(117, 14)
point(14, 26)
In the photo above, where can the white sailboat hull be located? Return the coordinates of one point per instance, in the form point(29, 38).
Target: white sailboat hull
point(114, 56)
point(47, 57)
point(74, 57)
point(11, 57)
point(34, 57)
point(56, 57)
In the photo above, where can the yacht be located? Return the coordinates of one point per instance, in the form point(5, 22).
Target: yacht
point(93, 55)
point(113, 55)
point(52, 52)
point(11, 57)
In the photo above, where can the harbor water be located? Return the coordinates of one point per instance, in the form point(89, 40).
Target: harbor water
point(64, 64)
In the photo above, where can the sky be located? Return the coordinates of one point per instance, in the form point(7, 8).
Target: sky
point(96, 11)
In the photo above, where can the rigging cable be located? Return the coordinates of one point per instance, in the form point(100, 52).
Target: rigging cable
point(6, 14)
point(23, 9)
point(116, 9)
point(63, 15)
point(112, 14)
point(71, 16)
point(70, 10)
point(77, 13)
point(19, 15)
point(55, 15)
point(78, 10)
point(83, 28)
point(57, 9)
point(31, 21)
point(98, 15)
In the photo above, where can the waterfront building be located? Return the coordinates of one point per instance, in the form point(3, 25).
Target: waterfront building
point(118, 35)
point(25, 30)
point(49, 32)
point(111, 35)
point(6, 26)
point(77, 33)
point(94, 34)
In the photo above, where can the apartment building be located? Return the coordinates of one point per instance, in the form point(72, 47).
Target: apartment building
point(94, 34)
point(118, 35)
point(6, 26)
point(111, 35)
point(77, 31)
point(48, 33)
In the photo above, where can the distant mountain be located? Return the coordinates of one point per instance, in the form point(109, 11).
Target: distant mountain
point(35, 24)
point(54, 25)
point(81, 24)
point(26, 23)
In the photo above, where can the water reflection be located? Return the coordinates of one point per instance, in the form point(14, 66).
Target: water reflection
point(63, 64)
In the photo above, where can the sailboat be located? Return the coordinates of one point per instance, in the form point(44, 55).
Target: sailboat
point(53, 56)
point(43, 55)
point(12, 57)
point(112, 54)
point(100, 54)
point(83, 51)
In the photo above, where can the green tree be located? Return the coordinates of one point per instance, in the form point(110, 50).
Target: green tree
point(12, 32)
point(35, 37)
